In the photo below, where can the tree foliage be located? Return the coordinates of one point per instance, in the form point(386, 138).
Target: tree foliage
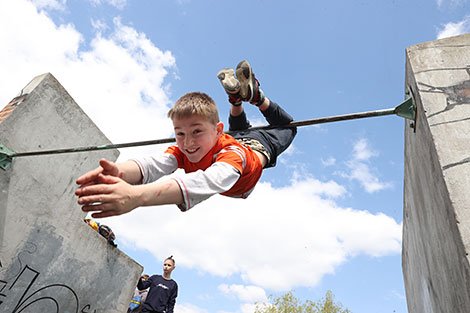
point(288, 303)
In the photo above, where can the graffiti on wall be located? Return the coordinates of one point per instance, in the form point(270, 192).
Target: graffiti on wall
point(21, 292)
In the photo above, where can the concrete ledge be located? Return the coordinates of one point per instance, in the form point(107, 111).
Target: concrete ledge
point(50, 259)
point(436, 231)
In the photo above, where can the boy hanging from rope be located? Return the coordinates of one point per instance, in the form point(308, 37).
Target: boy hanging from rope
point(213, 162)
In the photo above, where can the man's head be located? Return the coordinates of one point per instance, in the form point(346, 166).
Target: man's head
point(196, 124)
point(168, 266)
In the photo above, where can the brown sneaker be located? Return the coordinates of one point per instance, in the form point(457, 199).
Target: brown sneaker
point(249, 85)
point(231, 85)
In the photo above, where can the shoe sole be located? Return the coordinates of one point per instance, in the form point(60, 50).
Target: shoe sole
point(244, 76)
point(228, 80)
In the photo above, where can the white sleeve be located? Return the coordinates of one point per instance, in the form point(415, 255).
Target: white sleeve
point(200, 185)
point(154, 167)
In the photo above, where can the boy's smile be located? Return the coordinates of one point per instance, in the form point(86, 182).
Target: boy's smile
point(196, 136)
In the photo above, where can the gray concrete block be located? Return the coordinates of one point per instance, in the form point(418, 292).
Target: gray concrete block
point(51, 261)
point(436, 230)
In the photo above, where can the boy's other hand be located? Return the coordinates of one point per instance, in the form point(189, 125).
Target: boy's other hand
point(109, 196)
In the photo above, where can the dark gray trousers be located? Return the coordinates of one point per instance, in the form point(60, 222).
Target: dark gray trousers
point(275, 140)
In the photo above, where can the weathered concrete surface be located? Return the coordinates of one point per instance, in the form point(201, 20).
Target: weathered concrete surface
point(436, 233)
point(51, 261)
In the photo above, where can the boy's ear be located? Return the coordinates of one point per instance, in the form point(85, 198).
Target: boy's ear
point(220, 128)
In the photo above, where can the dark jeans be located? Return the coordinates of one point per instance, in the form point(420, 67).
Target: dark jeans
point(275, 140)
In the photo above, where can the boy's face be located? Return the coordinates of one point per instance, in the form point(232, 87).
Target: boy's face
point(196, 136)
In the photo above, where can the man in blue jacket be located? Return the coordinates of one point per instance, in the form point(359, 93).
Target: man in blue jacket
point(163, 291)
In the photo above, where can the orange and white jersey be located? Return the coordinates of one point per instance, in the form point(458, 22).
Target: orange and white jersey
point(229, 168)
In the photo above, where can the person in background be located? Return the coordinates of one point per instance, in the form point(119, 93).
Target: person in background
point(161, 297)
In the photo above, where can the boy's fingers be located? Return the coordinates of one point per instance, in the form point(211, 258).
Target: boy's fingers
point(104, 214)
point(87, 207)
point(89, 200)
point(101, 183)
point(79, 189)
point(92, 191)
point(90, 176)
point(90, 208)
point(109, 167)
point(101, 210)
point(90, 183)
point(105, 164)
point(108, 179)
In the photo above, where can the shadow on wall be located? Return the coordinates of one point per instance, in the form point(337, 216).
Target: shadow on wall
point(458, 94)
point(455, 94)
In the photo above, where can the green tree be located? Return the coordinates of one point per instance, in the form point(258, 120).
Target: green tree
point(288, 303)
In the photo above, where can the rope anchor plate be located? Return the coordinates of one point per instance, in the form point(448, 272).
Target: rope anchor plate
point(5, 157)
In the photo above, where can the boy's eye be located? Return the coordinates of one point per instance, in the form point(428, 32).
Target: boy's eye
point(179, 134)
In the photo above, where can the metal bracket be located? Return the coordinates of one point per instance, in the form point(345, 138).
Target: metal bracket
point(5, 157)
point(407, 109)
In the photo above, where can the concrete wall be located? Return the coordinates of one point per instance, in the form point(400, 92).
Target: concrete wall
point(50, 260)
point(436, 234)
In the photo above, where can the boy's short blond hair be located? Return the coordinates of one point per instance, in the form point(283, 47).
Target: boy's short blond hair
point(195, 103)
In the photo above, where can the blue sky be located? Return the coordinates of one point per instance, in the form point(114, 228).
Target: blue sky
point(329, 216)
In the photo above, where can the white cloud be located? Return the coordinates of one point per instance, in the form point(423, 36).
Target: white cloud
point(328, 162)
point(30, 51)
point(249, 294)
point(398, 295)
point(120, 4)
point(452, 3)
point(362, 173)
point(99, 26)
point(50, 4)
point(454, 29)
point(360, 170)
point(188, 308)
point(247, 308)
point(362, 151)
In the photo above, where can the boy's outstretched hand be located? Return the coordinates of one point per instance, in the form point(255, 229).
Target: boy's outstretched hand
point(109, 190)
point(102, 190)
point(112, 196)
